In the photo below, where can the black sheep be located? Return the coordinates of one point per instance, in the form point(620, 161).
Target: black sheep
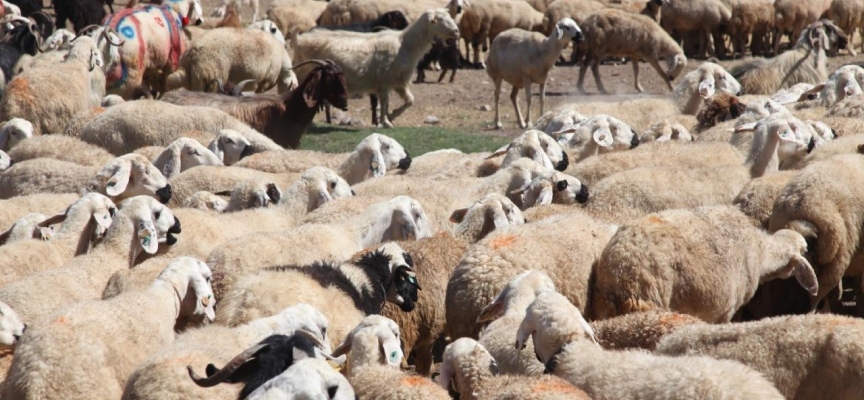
point(82, 13)
point(448, 57)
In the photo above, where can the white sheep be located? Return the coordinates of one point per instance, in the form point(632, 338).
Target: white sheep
point(130, 175)
point(618, 33)
point(90, 348)
point(565, 344)
point(160, 378)
point(230, 146)
point(702, 83)
point(317, 187)
point(599, 134)
point(61, 147)
point(182, 154)
point(27, 227)
point(469, 368)
point(234, 55)
point(844, 82)
point(307, 378)
point(14, 131)
point(536, 145)
point(396, 54)
point(83, 224)
point(522, 58)
point(687, 244)
point(141, 226)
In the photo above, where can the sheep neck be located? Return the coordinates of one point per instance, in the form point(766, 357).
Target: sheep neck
point(551, 48)
point(167, 290)
point(474, 227)
point(763, 157)
point(591, 149)
point(372, 226)
point(363, 355)
point(415, 41)
point(355, 168)
point(120, 236)
point(472, 378)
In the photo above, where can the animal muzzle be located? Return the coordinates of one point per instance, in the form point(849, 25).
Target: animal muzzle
point(812, 144)
point(635, 141)
point(740, 93)
point(175, 229)
point(405, 163)
point(247, 151)
point(578, 37)
point(582, 196)
point(565, 161)
point(199, 21)
point(458, 9)
point(273, 193)
point(164, 194)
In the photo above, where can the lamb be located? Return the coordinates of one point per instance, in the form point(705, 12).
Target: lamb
point(757, 197)
point(523, 58)
point(396, 55)
point(355, 167)
point(710, 185)
point(14, 131)
point(182, 154)
point(665, 131)
point(141, 226)
point(267, 360)
point(710, 236)
point(233, 55)
point(618, 33)
point(702, 83)
point(84, 222)
point(793, 17)
point(344, 293)
point(283, 118)
point(129, 126)
point(159, 377)
point(83, 87)
point(157, 51)
point(63, 148)
point(474, 373)
point(110, 336)
point(490, 264)
point(446, 54)
point(563, 342)
point(818, 203)
point(719, 108)
point(804, 63)
point(373, 360)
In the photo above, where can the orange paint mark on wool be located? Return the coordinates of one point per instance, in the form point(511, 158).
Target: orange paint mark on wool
point(415, 381)
point(554, 386)
point(833, 323)
point(62, 320)
point(656, 219)
point(503, 241)
point(20, 90)
point(677, 319)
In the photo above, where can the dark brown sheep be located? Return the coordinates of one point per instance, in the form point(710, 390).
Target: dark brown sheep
point(719, 108)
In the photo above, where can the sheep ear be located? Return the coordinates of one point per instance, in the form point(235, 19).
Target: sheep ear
point(492, 310)
point(446, 375)
point(804, 96)
point(746, 127)
point(545, 196)
point(526, 329)
point(311, 89)
point(172, 164)
point(376, 165)
point(204, 302)
point(559, 32)
point(56, 219)
point(587, 328)
point(120, 179)
point(4, 236)
point(500, 151)
point(458, 216)
point(499, 219)
point(392, 351)
point(804, 274)
point(147, 235)
point(103, 220)
point(217, 148)
point(344, 347)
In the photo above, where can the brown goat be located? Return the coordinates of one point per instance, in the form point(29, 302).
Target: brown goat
point(718, 108)
point(283, 118)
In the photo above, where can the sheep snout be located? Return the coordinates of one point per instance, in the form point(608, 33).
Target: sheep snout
point(634, 142)
point(405, 163)
point(582, 196)
point(247, 151)
point(565, 161)
point(165, 194)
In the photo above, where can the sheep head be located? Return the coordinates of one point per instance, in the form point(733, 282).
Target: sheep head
point(191, 280)
point(441, 25)
point(325, 82)
point(153, 223)
point(182, 154)
point(375, 341)
point(407, 220)
point(14, 131)
point(323, 185)
point(465, 363)
point(11, 327)
point(394, 266)
point(566, 28)
point(492, 212)
point(519, 293)
point(552, 309)
point(553, 187)
point(131, 175)
point(719, 108)
point(230, 146)
point(791, 262)
point(538, 146)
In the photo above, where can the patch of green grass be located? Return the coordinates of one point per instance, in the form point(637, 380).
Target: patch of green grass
point(417, 141)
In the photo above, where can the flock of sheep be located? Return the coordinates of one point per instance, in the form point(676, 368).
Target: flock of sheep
point(163, 237)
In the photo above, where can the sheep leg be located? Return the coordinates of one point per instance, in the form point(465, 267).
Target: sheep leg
point(373, 104)
point(497, 103)
point(659, 70)
point(441, 76)
point(582, 70)
point(327, 113)
point(636, 75)
point(513, 94)
point(542, 98)
point(384, 100)
point(527, 85)
point(452, 75)
point(408, 99)
point(595, 70)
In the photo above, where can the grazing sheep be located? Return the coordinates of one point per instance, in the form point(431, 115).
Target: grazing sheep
point(804, 63)
point(820, 204)
point(141, 226)
point(63, 148)
point(373, 361)
point(153, 46)
point(719, 108)
point(473, 373)
point(702, 83)
point(77, 78)
point(674, 272)
point(90, 348)
point(825, 363)
point(396, 54)
point(343, 293)
point(618, 33)
point(522, 58)
point(564, 343)
point(162, 376)
point(84, 222)
point(570, 244)
point(233, 55)
point(283, 118)
point(129, 126)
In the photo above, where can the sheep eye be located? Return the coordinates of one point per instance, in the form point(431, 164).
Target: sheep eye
point(157, 214)
point(229, 141)
point(193, 152)
point(324, 332)
point(333, 185)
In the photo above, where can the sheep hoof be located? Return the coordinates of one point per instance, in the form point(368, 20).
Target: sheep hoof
point(386, 124)
point(498, 125)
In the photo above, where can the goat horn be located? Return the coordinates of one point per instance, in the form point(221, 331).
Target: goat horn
point(108, 30)
point(226, 371)
point(238, 89)
point(319, 62)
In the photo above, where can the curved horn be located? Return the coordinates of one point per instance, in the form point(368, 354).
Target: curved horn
point(226, 371)
point(219, 85)
point(108, 37)
point(319, 62)
point(238, 89)
point(46, 25)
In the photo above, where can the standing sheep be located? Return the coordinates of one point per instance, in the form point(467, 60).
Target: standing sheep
point(234, 55)
point(792, 17)
point(524, 58)
point(89, 349)
point(849, 16)
point(678, 271)
point(618, 33)
point(697, 19)
point(378, 62)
